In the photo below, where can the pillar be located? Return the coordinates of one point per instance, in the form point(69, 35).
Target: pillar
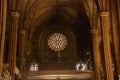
point(12, 46)
point(3, 9)
point(104, 17)
point(21, 48)
point(97, 63)
point(114, 24)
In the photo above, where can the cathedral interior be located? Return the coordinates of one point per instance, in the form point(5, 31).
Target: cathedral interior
point(59, 40)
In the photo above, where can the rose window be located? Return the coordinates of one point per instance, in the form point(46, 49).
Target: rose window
point(57, 42)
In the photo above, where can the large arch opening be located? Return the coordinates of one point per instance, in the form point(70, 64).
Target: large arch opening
point(76, 28)
point(46, 17)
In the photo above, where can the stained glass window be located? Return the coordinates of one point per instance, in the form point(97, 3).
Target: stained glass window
point(57, 42)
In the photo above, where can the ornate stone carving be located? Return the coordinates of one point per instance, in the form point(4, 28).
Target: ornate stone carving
point(6, 75)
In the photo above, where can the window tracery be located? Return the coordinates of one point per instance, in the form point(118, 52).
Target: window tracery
point(57, 42)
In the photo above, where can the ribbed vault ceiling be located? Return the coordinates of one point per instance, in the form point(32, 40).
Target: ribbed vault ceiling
point(34, 12)
point(75, 15)
point(38, 14)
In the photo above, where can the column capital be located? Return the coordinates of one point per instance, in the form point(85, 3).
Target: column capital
point(104, 13)
point(95, 31)
point(15, 14)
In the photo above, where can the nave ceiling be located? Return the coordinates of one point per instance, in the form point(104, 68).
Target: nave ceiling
point(37, 15)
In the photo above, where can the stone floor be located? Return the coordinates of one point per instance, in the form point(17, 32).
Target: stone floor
point(58, 75)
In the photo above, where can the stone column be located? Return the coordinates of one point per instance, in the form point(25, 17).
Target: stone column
point(21, 48)
point(3, 9)
point(97, 63)
point(104, 17)
point(114, 20)
point(12, 48)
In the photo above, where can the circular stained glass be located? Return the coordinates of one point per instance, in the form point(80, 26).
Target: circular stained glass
point(57, 42)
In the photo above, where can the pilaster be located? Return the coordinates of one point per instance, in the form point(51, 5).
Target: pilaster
point(97, 63)
point(12, 47)
point(3, 11)
point(114, 24)
point(104, 16)
point(21, 48)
